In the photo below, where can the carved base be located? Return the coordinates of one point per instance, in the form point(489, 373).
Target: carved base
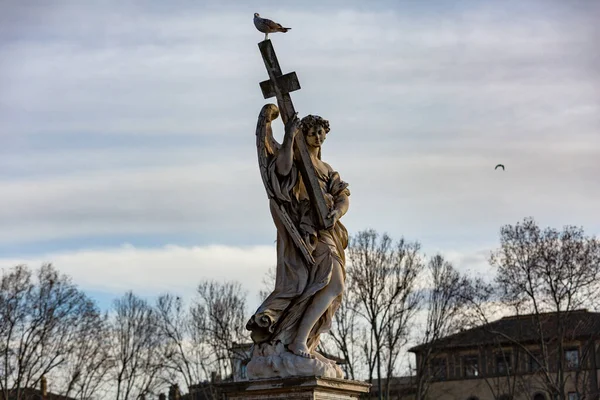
point(295, 388)
point(271, 361)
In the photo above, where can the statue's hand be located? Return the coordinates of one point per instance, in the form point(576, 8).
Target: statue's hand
point(335, 214)
point(292, 126)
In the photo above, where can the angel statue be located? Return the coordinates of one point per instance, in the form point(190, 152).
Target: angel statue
point(310, 270)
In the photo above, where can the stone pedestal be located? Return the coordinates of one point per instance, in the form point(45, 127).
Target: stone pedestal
point(295, 388)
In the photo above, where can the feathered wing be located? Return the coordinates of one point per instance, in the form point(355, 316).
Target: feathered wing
point(275, 26)
point(278, 187)
point(266, 145)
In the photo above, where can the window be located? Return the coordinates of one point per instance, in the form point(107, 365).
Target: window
point(572, 358)
point(470, 366)
point(573, 396)
point(503, 363)
point(539, 396)
point(439, 368)
point(534, 362)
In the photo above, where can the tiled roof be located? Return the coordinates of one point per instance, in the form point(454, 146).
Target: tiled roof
point(522, 328)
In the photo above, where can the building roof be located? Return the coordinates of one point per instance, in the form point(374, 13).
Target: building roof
point(522, 328)
point(35, 394)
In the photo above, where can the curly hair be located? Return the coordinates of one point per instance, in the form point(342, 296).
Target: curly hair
point(311, 121)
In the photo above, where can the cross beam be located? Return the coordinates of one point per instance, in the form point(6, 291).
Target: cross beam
point(280, 86)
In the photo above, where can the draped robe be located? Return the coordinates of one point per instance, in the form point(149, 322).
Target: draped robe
point(297, 282)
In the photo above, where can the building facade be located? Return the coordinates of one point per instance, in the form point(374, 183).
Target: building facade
point(520, 357)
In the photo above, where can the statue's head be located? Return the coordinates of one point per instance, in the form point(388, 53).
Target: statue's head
point(314, 129)
point(257, 15)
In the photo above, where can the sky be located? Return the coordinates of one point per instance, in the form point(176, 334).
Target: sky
point(127, 129)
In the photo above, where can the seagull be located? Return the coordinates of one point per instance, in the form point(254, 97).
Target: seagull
point(499, 165)
point(267, 26)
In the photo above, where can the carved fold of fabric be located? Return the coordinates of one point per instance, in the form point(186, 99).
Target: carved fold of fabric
point(282, 185)
point(261, 325)
point(336, 186)
point(306, 222)
point(278, 317)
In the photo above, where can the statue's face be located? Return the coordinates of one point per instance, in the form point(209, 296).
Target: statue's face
point(315, 136)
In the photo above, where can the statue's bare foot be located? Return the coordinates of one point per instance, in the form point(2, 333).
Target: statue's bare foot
point(300, 350)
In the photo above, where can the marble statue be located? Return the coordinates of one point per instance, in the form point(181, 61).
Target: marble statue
point(307, 198)
point(310, 259)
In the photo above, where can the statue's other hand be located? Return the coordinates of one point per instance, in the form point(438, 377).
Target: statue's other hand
point(335, 214)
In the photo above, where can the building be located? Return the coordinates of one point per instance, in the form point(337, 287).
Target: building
point(401, 388)
point(34, 394)
point(516, 357)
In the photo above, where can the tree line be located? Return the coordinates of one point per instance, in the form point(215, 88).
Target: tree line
point(395, 296)
point(50, 328)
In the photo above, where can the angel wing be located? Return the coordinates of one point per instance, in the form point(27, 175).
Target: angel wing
point(266, 145)
point(267, 148)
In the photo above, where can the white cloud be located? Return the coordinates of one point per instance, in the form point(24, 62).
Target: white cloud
point(150, 272)
point(422, 106)
point(167, 72)
point(198, 197)
point(418, 195)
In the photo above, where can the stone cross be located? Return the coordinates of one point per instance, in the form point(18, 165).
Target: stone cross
point(280, 86)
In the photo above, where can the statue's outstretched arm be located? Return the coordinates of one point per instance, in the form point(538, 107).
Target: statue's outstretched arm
point(285, 158)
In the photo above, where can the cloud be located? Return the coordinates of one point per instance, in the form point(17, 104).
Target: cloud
point(435, 197)
point(150, 272)
point(129, 120)
point(130, 71)
point(207, 197)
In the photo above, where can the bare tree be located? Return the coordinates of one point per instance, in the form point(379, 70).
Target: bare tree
point(87, 364)
point(41, 320)
point(220, 314)
point(346, 332)
point(186, 355)
point(135, 347)
point(384, 282)
point(268, 281)
point(548, 271)
point(199, 340)
point(446, 297)
point(404, 302)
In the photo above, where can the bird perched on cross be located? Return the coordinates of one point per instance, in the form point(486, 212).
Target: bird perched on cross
point(267, 26)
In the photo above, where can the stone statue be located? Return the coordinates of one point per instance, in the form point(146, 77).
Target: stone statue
point(310, 270)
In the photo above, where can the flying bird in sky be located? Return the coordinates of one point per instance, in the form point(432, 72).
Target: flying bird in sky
point(499, 166)
point(267, 26)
